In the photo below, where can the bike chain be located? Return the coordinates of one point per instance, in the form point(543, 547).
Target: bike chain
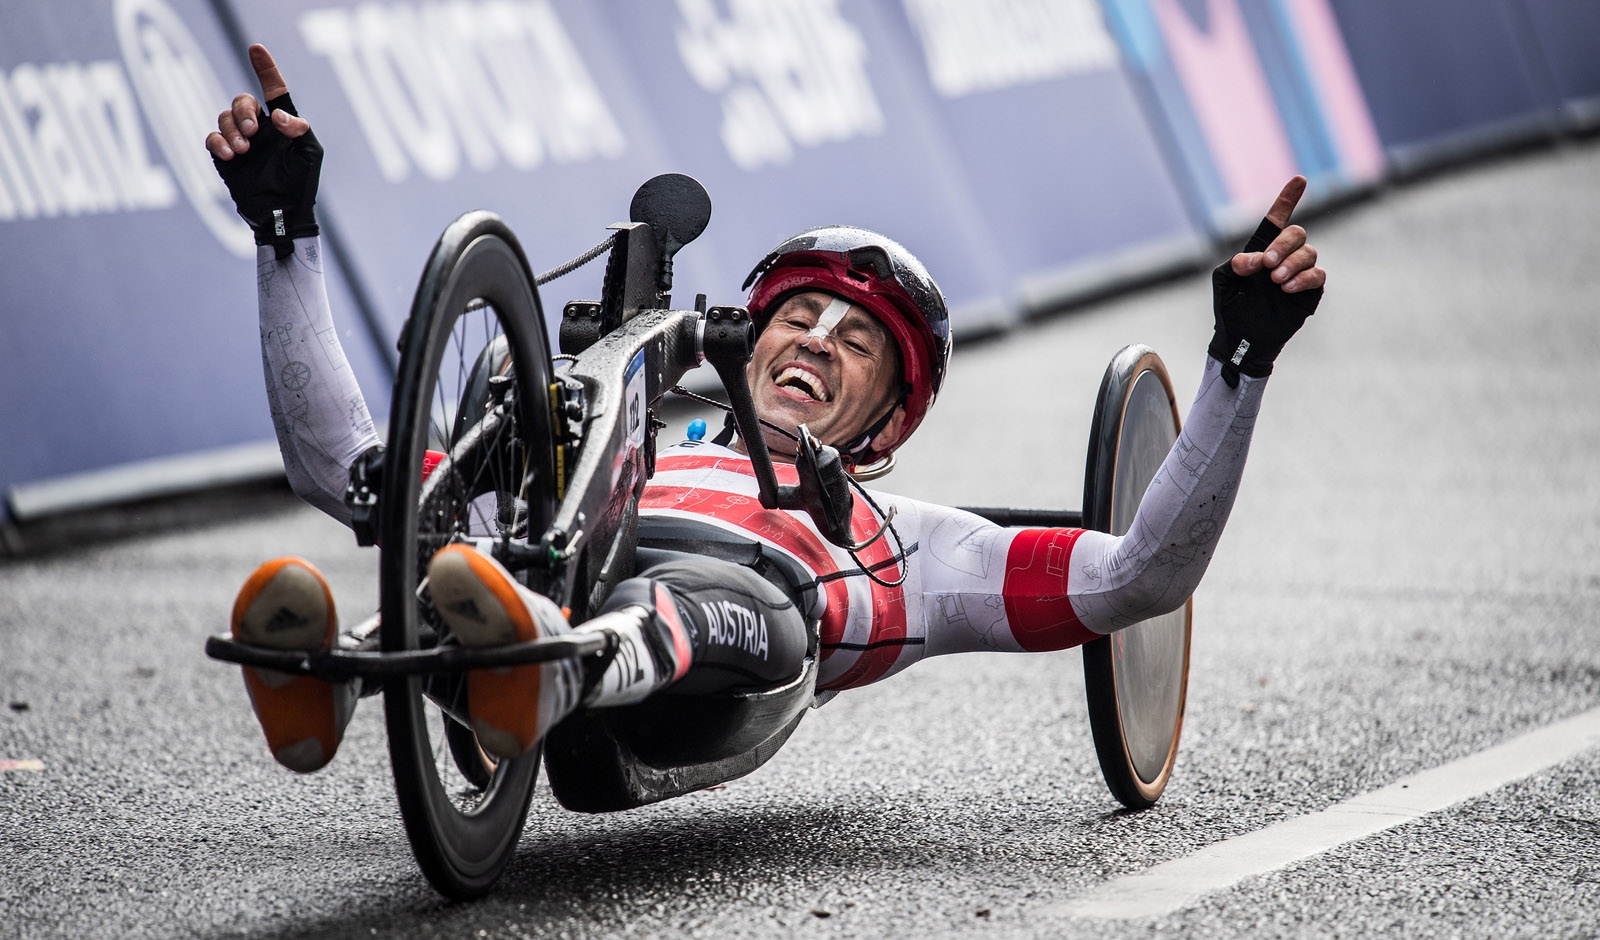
point(575, 263)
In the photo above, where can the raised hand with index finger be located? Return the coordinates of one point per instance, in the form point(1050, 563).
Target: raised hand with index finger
point(271, 167)
point(1264, 294)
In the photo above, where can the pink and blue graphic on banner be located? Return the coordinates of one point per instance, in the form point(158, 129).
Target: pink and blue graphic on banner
point(1250, 92)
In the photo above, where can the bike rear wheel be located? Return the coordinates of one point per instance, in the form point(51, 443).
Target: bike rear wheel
point(1136, 678)
point(473, 382)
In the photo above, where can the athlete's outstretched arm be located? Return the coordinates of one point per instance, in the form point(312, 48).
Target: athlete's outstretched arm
point(318, 411)
point(1115, 582)
point(271, 168)
point(977, 586)
point(1261, 297)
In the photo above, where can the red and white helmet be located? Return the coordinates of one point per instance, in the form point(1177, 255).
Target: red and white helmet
point(883, 278)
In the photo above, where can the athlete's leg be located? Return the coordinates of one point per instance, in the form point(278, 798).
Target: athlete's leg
point(702, 624)
point(743, 632)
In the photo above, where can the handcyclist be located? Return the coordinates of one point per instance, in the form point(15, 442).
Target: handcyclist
point(854, 342)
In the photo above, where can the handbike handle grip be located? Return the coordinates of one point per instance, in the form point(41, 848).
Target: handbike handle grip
point(824, 489)
point(727, 340)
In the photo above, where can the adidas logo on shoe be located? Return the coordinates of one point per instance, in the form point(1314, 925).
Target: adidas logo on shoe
point(466, 607)
point(284, 619)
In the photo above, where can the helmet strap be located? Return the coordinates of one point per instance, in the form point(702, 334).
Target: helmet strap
point(730, 430)
point(865, 440)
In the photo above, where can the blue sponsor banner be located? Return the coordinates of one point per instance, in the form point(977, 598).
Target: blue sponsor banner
point(1051, 139)
point(521, 107)
point(1445, 77)
point(1249, 93)
point(805, 114)
point(1013, 144)
point(129, 327)
point(1566, 37)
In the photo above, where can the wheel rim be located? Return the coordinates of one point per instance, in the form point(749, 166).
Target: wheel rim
point(475, 308)
point(1146, 657)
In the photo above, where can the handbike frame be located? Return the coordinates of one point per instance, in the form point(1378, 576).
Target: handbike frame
point(627, 350)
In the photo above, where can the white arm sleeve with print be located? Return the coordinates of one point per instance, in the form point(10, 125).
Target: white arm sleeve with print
point(978, 586)
point(1115, 582)
point(317, 408)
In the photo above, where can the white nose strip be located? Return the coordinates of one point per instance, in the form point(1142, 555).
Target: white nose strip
point(824, 329)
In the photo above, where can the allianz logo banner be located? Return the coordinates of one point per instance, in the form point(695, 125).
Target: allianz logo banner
point(72, 142)
point(441, 88)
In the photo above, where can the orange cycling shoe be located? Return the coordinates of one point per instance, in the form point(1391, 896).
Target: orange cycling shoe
point(483, 605)
point(286, 605)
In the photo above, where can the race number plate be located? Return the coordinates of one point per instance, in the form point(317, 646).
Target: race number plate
point(633, 402)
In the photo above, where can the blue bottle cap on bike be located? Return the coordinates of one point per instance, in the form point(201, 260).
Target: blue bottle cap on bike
point(697, 429)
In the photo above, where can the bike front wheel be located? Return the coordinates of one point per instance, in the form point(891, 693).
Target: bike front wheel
point(473, 385)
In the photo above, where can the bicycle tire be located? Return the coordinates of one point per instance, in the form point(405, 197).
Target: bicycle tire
point(476, 286)
point(1136, 679)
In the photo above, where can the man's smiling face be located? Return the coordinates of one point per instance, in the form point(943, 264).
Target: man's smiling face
point(837, 384)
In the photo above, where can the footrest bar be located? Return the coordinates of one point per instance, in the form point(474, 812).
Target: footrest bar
point(337, 664)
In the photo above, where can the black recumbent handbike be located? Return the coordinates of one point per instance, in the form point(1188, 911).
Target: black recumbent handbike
point(544, 467)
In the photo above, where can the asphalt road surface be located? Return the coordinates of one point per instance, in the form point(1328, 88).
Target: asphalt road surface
point(1411, 578)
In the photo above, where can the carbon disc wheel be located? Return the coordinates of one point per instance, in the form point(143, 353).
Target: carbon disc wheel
point(1136, 678)
point(473, 384)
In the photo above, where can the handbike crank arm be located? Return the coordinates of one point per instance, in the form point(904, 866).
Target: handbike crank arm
point(338, 664)
point(823, 489)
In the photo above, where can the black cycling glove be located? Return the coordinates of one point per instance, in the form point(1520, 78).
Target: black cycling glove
point(274, 183)
point(1254, 317)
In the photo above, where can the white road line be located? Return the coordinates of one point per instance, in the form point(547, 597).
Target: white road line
point(1177, 884)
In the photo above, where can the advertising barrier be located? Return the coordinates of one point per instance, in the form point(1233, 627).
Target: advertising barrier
point(522, 107)
point(801, 114)
point(1566, 38)
point(1045, 127)
point(128, 332)
point(1248, 93)
point(1030, 151)
point(1446, 78)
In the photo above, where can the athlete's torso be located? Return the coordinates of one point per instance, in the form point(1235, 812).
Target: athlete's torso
point(959, 569)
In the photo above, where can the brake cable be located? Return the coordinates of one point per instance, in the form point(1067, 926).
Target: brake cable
point(888, 523)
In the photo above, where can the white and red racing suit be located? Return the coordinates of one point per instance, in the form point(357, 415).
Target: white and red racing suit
point(968, 584)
